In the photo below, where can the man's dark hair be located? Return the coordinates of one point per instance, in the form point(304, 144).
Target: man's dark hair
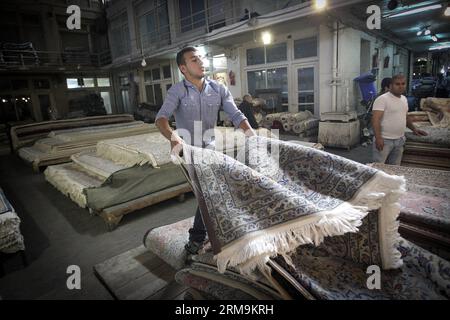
point(386, 82)
point(398, 77)
point(180, 55)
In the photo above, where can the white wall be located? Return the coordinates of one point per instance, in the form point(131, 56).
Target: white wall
point(349, 68)
point(234, 64)
point(325, 67)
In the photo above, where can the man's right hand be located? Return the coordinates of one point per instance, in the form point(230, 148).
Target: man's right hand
point(176, 145)
point(379, 143)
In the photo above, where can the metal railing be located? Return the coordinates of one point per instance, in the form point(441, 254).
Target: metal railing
point(26, 59)
point(210, 19)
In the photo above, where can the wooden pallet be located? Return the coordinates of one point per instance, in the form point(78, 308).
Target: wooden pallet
point(139, 274)
point(113, 215)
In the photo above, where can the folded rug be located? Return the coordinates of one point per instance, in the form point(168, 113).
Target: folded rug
point(278, 196)
point(438, 136)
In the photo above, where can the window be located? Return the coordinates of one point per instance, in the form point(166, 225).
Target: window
point(269, 79)
point(269, 54)
point(192, 14)
point(276, 53)
point(124, 81)
point(256, 80)
point(88, 82)
point(156, 75)
point(147, 76)
point(216, 14)
point(153, 24)
point(72, 83)
point(157, 82)
point(149, 92)
point(106, 101)
point(305, 48)
point(158, 94)
point(166, 72)
point(41, 84)
point(305, 84)
point(255, 56)
point(120, 36)
point(19, 84)
point(103, 82)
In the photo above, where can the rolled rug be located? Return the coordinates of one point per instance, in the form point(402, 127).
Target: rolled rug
point(286, 127)
point(297, 128)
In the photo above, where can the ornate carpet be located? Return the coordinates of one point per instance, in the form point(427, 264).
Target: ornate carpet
point(278, 196)
point(437, 136)
point(11, 239)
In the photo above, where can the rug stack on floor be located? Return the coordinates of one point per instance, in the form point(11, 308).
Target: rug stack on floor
point(27, 134)
point(11, 239)
point(301, 123)
point(59, 145)
point(119, 172)
point(431, 151)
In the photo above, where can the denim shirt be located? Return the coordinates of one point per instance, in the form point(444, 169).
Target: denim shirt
point(197, 111)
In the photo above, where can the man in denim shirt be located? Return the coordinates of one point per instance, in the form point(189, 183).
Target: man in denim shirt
point(195, 103)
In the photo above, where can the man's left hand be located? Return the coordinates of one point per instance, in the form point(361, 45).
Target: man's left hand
point(419, 132)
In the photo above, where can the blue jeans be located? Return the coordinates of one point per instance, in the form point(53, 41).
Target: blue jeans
point(198, 231)
point(392, 151)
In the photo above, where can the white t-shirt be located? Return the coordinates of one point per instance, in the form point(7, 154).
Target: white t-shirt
point(393, 122)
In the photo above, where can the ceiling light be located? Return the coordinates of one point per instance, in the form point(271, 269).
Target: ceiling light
point(440, 47)
point(419, 33)
point(143, 63)
point(434, 38)
point(427, 32)
point(414, 11)
point(266, 38)
point(447, 11)
point(320, 4)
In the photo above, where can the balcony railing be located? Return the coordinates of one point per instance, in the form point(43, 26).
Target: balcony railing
point(212, 18)
point(32, 59)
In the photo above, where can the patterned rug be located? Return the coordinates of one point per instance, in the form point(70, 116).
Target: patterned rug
point(331, 276)
point(282, 195)
point(11, 240)
point(438, 136)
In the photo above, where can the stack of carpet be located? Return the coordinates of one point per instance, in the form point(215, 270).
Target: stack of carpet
point(420, 118)
point(11, 240)
point(438, 111)
point(59, 145)
point(431, 151)
point(142, 160)
point(4, 141)
point(27, 134)
point(302, 123)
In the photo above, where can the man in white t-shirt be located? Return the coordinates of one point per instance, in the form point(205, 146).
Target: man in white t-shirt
point(389, 121)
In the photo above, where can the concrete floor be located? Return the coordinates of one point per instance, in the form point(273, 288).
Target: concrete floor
point(58, 233)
